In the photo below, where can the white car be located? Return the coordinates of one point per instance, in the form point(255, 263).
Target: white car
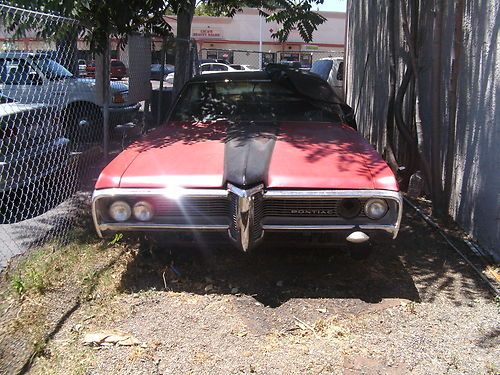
point(207, 68)
point(82, 68)
point(36, 78)
point(331, 69)
point(243, 67)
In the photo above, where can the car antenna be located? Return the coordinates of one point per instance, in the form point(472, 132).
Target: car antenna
point(362, 84)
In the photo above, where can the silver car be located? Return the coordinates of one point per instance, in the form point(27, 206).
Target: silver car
point(32, 152)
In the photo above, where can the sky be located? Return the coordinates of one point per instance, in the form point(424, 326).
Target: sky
point(333, 5)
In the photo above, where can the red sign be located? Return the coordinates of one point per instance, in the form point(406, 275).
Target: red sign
point(207, 33)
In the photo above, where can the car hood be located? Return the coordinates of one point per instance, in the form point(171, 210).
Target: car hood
point(292, 155)
point(115, 86)
point(7, 109)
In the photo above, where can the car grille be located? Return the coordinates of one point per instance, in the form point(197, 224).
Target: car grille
point(191, 206)
point(303, 207)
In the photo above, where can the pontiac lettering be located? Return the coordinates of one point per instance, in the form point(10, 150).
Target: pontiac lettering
point(312, 212)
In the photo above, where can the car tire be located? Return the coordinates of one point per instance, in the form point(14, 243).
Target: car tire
point(84, 123)
point(361, 251)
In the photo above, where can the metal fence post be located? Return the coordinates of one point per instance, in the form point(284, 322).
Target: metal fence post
point(105, 99)
point(162, 76)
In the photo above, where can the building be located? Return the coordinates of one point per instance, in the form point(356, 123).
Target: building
point(233, 39)
point(237, 39)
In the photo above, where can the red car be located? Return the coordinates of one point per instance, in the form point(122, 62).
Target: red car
point(249, 154)
point(117, 70)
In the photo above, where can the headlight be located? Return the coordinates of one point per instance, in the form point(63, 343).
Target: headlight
point(143, 211)
point(376, 208)
point(349, 208)
point(118, 98)
point(120, 211)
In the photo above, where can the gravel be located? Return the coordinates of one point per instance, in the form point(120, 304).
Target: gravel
point(414, 307)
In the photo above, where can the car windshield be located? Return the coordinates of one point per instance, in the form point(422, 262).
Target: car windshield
point(14, 71)
point(322, 68)
point(51, 69)
point(247, 101)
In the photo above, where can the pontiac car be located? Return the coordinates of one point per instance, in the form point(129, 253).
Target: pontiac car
point(250, 154)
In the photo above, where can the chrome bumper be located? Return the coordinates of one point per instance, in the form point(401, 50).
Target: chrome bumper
point(244, 210)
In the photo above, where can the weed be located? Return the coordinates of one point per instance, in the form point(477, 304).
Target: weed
point(411, 307)
point(116, 239)
point(39, 348)
point(37, 281)
point(18, 285)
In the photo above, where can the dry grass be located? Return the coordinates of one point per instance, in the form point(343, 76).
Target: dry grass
point(45, 287)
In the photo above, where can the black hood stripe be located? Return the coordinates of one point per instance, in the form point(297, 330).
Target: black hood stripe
point(248, 151)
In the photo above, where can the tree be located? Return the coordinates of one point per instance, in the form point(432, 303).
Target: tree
point(288, 14)
point(102, 19)
point(98, 20)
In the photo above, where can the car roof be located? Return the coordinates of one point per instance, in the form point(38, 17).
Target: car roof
point(214, 63)
point(331, 59)
point(239, 75)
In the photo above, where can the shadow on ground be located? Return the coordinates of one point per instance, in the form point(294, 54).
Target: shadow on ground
point(272, 276)
point(418, 265)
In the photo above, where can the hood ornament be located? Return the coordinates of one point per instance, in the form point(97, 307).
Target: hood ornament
point(243, 225)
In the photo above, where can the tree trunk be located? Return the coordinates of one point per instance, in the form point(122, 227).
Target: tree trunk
point(66, 48)
point(412, 42)
point(392, 85)
point(450, 149)
point(182, 52)
point(438, 199)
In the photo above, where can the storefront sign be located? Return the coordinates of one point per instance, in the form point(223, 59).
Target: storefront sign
point(206, 33)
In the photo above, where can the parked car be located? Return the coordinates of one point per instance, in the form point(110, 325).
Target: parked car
point(34, 78)
point(243, 67)
point(156, 71)
point(331, 69)
point(82, 68)
point(90, 69)
point(207, 61)
point(117, 70)
point(33, 151)
point(250, 154)
point(215, 67)
point(206, 68)
point(291, 64)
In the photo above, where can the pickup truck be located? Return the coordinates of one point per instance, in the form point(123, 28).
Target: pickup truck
point(36, 78)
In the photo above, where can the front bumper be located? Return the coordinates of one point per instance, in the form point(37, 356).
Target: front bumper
point(246, 220)
point(119, 115)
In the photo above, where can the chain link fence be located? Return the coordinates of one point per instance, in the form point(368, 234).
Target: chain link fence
point(248, 59)
point(52, 127)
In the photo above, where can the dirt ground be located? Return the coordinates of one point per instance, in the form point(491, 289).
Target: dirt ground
point(413, 307)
